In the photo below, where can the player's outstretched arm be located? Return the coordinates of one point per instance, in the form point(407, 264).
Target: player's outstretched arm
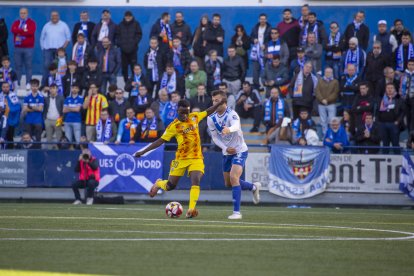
point(152, 146)
point(213, 108)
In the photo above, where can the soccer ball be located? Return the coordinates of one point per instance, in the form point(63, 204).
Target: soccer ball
point(173, 209)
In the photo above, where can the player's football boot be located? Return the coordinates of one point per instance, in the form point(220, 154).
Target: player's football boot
point(191, 213)
point(235, 216)
point(256, 193)
point(154, 189)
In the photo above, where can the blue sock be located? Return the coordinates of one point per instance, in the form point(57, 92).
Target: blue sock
point(236, 191)
point(246, 185)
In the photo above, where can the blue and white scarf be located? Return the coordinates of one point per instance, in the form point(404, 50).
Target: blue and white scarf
point(298, 87)
point(2, 100)
point(400, 56)
point(171, 111)
point(350, 80)
point(152, 64)
point(141, 100)
point(334, 41)
point(57, 79)
point(152, 124)
point(274, 47)
point(171, 84)
point(352, 57)
point(167, 29)
point(7, 77)
point(135, 89)
point(216, 73)
point(305, 33)
point(256, 54)
point(84, 29)
point(78, 54)
point(406, 83)
point(356, 27)
point(103, 133)
point(280, 110)
point(177, 60)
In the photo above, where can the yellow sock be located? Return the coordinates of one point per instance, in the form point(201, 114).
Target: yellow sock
point(194, 194)
point(162, 184)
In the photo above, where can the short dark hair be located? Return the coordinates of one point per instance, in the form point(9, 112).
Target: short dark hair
point(164, 14)
point(223, 84)
point(52, 67)
point(105, 110)
point(398, 20)
point(368, 114)
point(216, 15)
point(231, 46)
point(312, 13)
point(183, 103)
point(218, 92)
point(262, 14)
point(287, 10)
point(363, 83)
point(169, 64)
point(406, 33)
point(247, 83)
point(175, 92)
point(4, 58)
point(112, 88)
point(35, 82)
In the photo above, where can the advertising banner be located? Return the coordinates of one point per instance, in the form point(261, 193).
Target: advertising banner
point(13, 168)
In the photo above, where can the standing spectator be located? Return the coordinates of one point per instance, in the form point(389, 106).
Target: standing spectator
point(407, 92)
point(72, 108)
point(242, 43)
point(24, 30)
point(388, 41)
point(214, 70)
point(110, 95)
point(313, 53)
point(61, 62)
point(14, 107)
point(333, 48)
point(388, 76)
point(159, 104)
point(127, 128)
point(303, 19)
point(142, 101)
point(404, 53)
point(377, 60)
point(276, 46)
point(390, 117)
point(275, 75)
point(180, 57)
point(234, 71)
point(363, 103)
point(199, 44)
point(52, 113)
point(398, 30)
point(354, 55)
point(105, 28)
point(85, 27)
point(7, 74)
point(359, 30)
point(303, 88)
point(170, 110)
point(55, 34)
point(289, 30)
point(297, 64)
point(368, 134)
point(202, 100)
point(92, 74)
point(326, 93)
point(81, 52)
point(349, 86)
point(71, 77)
point(137, 78)
point(214, 36)
point(313, 26)
point(32, 109)
point(109, 59)
point(94, 103)
point(275, 109)
point(150, 128)
point(181, 29)
point(336, 138)
point(195, 78)
point(162, 31)
point(128, 36)
point(259, 36)
point(231, 99)
point(117, 108)
point(106, 130)
point(169, 81)
point(154, 63)
point(4, 36)
point(248, 105)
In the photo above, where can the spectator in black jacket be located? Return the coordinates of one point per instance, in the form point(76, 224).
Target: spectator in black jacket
point(314, 26)
point(71, 77)
point(154, 63)
point(150, 128)
point(368, 134)
point(128, 36)
point(389, 76)
point(363, 103)
point(82, 51)
point(359, 30)
point(348, 87)
point(180, 57)
point(92, 74)
point(248, 105)
point(201, 100)
point(109, 58)
point(137, 78)
point(163, 32)
point(333, 49)
point(105, 28)
point(84, 27)
point(198, 43)
point(234, 71)
point(214, 36)
point(214, 71)
point(141, 102)
point(117, 108)
point(377, 60)
point(398, 29)
point(242, 42)
point(181, 29)
point(4, 35)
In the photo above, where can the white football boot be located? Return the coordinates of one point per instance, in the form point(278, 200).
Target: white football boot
point(256, 193)
point(235, 215)
point(89, 201)
point(77, 202)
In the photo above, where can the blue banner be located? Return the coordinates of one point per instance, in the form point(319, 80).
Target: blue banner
point(407, 176)
point(121, 172)
point(298, 172)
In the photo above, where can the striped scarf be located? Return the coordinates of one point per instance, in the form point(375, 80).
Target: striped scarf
point(400, 56)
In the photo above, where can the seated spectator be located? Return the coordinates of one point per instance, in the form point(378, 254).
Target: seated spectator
point(127, 128)
point(368, 134)
point(106, 130)
point(93, 103)
point(82, 51)
point(234, 71)
point(388, 41)
point(388, 76)
point(169, 81)
point(92, 74)
point(72, 76)
point(158, 105)
point(72, 108)
point(347, 122)
point(275, 110)
point(282, 135)
point(32, 110)
point(7, 74)
point(202, 100)
point(26, 142)
point(301, 124)
point(275, 75)
point(231, 99)
point(214, 70)
point(134, 81)
point(52, 115)
point(377, 60)
point(327, 92)
point(391, 118)
point(203, 130)
point(150, 128)
point(364, 102)
point(193, 79)
point(296, 65)
point(242, 43)
point(142, 101)
point(14, 110)
point(303, 88)
point(88, 169)
point(276, 46)
point(117, 108)
point(349, 87)
point(109, 58)
point(354, 55)
point(248, 105)
point(170, 109)
point(313, 53)
point(336, 138)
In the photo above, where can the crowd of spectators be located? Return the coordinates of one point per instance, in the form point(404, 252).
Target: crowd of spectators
point(299, 69)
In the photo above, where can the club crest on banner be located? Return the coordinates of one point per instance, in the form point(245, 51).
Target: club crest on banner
point(300, 167)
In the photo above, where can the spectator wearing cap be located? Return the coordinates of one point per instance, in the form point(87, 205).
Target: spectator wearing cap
point(92, 74)
point(52, 114)
point(55, 34)
point(333, 47)
point(72, 108)
point(128, 35)
point(404, 53)
point(289, 31)
point(105, 28)
point(297, 64)
point(72, 76)
point(248, 105)
point(368, 135)
point(161, 30)
point(354, 55)
point(336, 138)
point(398, 29)
point(214, 36)
point(181, 29)
point(234, 71)
point(377, 60)
point(313, 26)
point(84, 26)
point(23, 30)
point(388, 41)
point(81, 52)
point(109, 58)
point(359, 30)
point(275, 75)
point(276, 46)
point(313, 53)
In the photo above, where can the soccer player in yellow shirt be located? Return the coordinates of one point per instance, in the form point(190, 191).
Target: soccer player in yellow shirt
point(188, 156)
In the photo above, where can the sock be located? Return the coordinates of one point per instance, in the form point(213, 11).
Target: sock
point(162, 184)
point(194, 194)
point(236, 191)
point(246, 185)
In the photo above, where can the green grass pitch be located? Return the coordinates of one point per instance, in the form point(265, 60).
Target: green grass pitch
point(138, 239)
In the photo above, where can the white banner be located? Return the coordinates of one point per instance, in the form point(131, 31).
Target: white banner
point(354, 173)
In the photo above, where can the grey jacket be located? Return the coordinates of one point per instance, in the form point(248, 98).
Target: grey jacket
point(313, 53)
point(59, 105)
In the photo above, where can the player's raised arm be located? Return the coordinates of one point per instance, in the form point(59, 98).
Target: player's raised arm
point(152, 146)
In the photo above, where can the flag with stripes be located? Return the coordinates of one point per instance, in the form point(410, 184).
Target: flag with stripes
point(407, 176)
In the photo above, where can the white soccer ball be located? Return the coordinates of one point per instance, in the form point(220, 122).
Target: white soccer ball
point(174, 209)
